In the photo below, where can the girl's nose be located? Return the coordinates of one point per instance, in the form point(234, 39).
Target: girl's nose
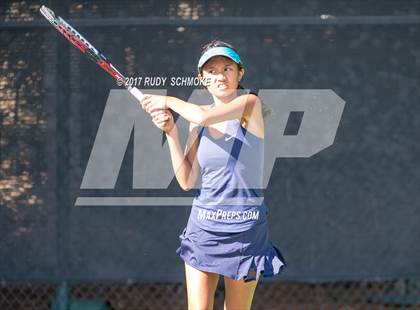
point(221, 77)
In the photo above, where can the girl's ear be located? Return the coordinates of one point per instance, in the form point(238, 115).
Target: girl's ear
point(203, 82)
point(241, 73)
point(199, 75)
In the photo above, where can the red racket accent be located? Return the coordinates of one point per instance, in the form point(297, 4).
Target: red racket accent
point(86, 48)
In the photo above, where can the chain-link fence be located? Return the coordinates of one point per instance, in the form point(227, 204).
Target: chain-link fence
point(399, 294)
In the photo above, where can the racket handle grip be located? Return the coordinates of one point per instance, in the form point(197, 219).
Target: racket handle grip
point(136, 93)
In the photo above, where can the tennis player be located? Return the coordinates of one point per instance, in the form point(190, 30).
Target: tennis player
point(227, 233)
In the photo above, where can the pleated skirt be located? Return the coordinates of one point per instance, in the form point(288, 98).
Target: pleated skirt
point(248, 254)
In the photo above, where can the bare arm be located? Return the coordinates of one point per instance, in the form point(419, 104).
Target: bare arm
point(185, 164)
point(204, 117)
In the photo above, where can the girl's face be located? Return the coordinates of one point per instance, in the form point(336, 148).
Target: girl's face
point(223, 75)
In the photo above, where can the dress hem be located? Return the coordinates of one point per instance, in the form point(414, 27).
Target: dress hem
point(262, 273)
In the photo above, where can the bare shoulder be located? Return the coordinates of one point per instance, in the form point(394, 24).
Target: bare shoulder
point(253, 119)
point(253, 100)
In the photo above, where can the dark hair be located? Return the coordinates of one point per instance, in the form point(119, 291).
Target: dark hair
point(218, 43)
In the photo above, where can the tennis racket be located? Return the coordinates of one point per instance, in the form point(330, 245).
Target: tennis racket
point(88, 49)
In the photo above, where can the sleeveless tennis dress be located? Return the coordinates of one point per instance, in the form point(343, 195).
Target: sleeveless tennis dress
point(227, 231)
